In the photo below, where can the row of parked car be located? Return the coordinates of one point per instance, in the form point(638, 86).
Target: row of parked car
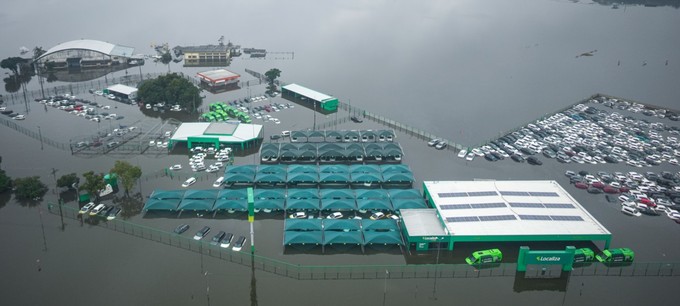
point(588, 134)
point(221, 239)
point(649, 194)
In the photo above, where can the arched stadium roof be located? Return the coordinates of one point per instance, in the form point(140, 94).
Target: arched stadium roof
point(92, 45)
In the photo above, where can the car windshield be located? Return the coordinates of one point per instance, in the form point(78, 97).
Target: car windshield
point(472, 259)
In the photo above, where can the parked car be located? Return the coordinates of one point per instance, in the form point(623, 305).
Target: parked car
point(201, 233)
point(181, 228)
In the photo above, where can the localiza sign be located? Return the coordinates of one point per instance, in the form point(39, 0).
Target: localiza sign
point(548, 258)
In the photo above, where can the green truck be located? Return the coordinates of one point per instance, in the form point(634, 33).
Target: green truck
point(484, 257)
point(616, 255)
point(584, 255)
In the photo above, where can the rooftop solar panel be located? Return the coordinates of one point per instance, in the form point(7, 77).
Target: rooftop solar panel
point(514, 193)
point(452, 194)
point(481, 193)
point(526, 205)
point(535, 217)
point(543, 194)
point(462, 219)
point(566, 218)
point(497, 218)
point(455, 206)
point(558, 205)
point(488, 205)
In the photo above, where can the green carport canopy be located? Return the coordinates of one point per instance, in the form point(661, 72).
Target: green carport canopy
point(302, 225)
point(338, 204)
point(159, 204)
point(390, 237)
point(302, 204)
point(302, 237)
point(210, 194)
point(341, 225)
point(167, 194)
point(404, 193)
point(235, 204)
point(196, 204)
point(274, 204)
point(354, 237)
point(374, 204)
point(380, 225)
point(408, 203)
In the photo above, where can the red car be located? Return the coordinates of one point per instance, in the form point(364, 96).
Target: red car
point(610, 189)
point(598, 185)
point(647, 202)
point(581, 185)
point(624, 189)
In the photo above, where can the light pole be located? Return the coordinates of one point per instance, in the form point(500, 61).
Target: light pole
point(207, 286)
point(387, 273)
point(41, 141)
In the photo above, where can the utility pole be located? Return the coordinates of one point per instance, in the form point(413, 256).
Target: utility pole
point(61, 214)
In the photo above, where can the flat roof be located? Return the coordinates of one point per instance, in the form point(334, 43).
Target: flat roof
point(241, 133)
point(309, 93)
point(218, 75)
point(123, 89)
point(221, 128)
point(500, 208)
point(92, 45)
point(203, 48)
point(422, 222)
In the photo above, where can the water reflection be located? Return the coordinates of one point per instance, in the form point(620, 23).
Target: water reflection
point(253, 282)
point(524, 283)
point(4, 198)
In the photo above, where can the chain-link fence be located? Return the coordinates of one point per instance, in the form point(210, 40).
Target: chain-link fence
point(344, 272)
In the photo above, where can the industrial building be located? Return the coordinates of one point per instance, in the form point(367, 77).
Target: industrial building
point(310, 98)
point(122, 91)
point(218, 134)
point(498, 211)
point(219, 79)
point(205, 55)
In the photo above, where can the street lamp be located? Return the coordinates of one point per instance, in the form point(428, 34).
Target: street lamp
point(387, 273)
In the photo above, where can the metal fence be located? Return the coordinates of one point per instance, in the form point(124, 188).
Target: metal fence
point(346, 272)
point(37, 135)
point(84, 87)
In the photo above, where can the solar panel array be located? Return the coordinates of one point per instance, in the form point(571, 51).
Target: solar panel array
point(467, 194)
point(470, 206)
point(541, 205)
point(529, 193)
point(550, 218)
point(481, 218)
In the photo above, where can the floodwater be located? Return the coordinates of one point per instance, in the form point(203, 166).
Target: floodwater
point(463, 70)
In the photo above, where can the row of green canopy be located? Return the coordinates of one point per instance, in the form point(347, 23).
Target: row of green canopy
point(282, 199)
point(387, 149)
point(341, 231)
point(342, 136)
point(319, 174)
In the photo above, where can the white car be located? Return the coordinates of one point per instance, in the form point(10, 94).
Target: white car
point(377, 216)
point(298, 215)
point(218, 182)
point(176, 167)
point(189, 182)
point(212, 168)
point(335, 215)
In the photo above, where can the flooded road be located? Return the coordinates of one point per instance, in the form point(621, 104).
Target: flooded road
point(465, 71)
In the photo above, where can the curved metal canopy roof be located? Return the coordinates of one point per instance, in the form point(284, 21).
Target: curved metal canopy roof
point(92, 45)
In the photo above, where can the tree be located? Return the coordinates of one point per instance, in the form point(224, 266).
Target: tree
point(38, 52)
point(127, 173)
point(166, 58)
point(271, 76)
point(12, 63)
point(172, 89)
point(29, 188)
point(5, 182)
point(93, 183)
point(68, 181)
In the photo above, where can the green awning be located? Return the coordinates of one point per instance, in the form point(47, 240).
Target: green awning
point(352, 237)
point(390, 237)
point(302, 225)
point(302, 237)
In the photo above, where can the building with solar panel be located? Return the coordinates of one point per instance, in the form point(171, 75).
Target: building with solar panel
point(498, 211)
